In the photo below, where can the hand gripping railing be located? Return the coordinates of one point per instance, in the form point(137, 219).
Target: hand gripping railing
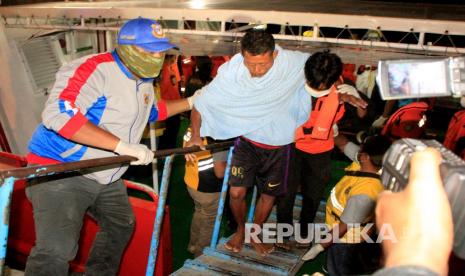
point(9, 176)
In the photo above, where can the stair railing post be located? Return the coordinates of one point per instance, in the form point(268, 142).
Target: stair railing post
point(6, 190)
point(224, 191)
point(252, 205)
point(159, 216)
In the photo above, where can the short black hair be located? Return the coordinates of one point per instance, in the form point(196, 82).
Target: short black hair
point(204, 67)
point(257, 42)
point(376, 146)
point(323, 68)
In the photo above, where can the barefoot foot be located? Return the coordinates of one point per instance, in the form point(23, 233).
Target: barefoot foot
point(262, 248)
point(235, 243)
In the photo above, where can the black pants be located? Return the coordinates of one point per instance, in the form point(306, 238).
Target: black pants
point(312, 172)
point(353, 259)
point(170, 135)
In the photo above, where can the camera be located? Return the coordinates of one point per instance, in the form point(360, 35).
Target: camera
point(419, 78)
point(396, 170)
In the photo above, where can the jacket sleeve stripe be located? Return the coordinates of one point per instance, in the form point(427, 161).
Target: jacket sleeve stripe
point(34, 159)
point(67, 97)
point(81, 75)
point(162, 111)
point(73, 125)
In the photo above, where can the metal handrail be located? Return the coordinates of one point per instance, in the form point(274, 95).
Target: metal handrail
point(8, 176)
point(42, 170)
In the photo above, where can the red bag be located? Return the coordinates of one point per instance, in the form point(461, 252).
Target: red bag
point(455, 135)
point(408, 121)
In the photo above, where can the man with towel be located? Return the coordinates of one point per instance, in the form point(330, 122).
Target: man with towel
point(259, 97)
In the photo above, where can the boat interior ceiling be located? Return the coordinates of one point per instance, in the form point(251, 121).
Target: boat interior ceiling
point(361, 32)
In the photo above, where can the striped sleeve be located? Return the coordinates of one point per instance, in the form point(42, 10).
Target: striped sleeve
point(158, 113)
point(77, 87)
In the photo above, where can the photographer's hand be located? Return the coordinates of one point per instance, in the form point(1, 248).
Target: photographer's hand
point(420, 217)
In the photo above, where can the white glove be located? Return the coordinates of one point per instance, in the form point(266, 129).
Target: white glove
point(191, 99)
point(379, 123)
point(143, 154)
point(348, 89)
point(313, 252)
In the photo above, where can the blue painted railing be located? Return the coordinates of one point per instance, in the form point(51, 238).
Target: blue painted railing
point(6, 191)
point(159, 218)
point(252, 205)
point(8, 177)
point(224, 191)
point(221, 203)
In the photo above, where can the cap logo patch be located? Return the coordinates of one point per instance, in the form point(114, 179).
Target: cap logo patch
point(128, 37)
point(157, 31)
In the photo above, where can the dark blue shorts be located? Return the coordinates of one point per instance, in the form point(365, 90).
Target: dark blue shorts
point(267, 168)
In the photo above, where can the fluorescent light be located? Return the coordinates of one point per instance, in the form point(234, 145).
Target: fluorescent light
point(197, 4)
point(260, 27)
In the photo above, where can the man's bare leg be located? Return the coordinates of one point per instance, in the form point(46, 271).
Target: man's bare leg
point(239, 209)
point(262, 211)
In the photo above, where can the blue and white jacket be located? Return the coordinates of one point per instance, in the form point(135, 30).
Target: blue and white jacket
point(100, 89)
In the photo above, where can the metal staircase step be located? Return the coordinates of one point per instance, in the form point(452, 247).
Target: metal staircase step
point(239, 264)
point(220, 261)
point(194, 267)
point(184, 271)
point(278, 258)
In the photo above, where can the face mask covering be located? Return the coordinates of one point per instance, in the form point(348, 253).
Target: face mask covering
point(316, 93)
point(144, 65)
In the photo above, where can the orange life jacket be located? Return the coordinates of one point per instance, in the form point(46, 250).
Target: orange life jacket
point(316, 135)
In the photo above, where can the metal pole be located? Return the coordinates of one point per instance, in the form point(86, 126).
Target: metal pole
point(5, 199)
point(153, 146)
point(159, 217)
point(252, 205)
point(4, 146)
point(35, 171)
point(224, 190)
